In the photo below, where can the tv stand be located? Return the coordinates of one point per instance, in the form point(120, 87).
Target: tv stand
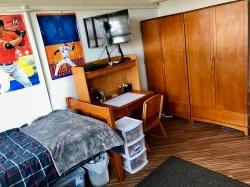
point(122, 58)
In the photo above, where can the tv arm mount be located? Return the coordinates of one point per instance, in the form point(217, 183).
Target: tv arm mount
point(108, 54)
point(120, 51)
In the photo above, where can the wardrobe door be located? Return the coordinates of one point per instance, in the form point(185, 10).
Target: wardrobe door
point(231, 59)
point(174, 54)
point(153, 55)
point(199, 44)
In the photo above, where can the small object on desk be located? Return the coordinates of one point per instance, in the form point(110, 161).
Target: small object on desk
point(126, 87)
point(101, 92)
point(113, 63)
point(123, 99)
point(97, 95)
point(114, 95)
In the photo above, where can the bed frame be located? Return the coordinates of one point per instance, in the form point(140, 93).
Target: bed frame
point(104, 114)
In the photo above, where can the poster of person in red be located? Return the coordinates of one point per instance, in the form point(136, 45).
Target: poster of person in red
point(17, 66)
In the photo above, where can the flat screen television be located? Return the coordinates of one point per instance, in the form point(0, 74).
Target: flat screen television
point(108, 29)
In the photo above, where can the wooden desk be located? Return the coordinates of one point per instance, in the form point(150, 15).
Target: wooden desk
point(107, 79)
point(127, 109)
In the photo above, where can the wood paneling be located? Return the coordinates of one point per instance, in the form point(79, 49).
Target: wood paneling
point(199, 36)
point(153, 56)
point(222, 116)
point(230, 57)
point(174, 53)
point(216, 148)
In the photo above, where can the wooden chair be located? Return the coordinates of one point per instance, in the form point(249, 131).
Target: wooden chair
point(151, 114)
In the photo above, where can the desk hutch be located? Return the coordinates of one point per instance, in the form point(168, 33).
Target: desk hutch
point(107, 79)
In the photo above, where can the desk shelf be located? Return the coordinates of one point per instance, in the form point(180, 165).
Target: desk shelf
point(107, 79)
point(110, 69)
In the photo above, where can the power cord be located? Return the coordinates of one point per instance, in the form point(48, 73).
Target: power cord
point(101, 54)
point(112, 50)
point(167, 115)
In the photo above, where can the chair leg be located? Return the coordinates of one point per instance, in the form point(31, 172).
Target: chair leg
point(163, 129)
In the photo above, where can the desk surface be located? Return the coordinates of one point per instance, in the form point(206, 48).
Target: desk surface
point(130, 106)
point(124, 99)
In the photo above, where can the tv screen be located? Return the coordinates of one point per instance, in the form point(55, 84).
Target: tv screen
point(108, 29)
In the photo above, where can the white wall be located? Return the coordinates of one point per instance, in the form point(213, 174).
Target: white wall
point(60, 88)
point(177, 6)
point(22, 106)
point(64, 87)
point(135, 47)
point(83, 2)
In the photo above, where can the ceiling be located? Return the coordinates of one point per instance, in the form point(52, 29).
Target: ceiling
point(82, 2)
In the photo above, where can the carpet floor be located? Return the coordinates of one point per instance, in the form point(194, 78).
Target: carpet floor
point(175, 172)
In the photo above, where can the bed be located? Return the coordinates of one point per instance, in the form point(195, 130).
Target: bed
point(38, 154)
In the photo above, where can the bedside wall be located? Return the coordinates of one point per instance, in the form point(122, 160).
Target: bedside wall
point(177, 6)
point(64, 87)
point(22, 106)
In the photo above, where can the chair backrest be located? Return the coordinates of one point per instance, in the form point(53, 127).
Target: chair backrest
point(152, 107)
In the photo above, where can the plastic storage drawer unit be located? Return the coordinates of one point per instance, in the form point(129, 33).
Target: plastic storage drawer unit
point(136, 163)
point(130, 129)
point(134, 147)
point(73, 179)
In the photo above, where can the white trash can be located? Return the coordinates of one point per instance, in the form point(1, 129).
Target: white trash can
point(98, 170)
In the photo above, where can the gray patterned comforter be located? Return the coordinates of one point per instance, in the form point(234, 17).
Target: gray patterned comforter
point(72, 138)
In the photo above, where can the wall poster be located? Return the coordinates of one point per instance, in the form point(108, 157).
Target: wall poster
point(17, 64)
point(62, 43)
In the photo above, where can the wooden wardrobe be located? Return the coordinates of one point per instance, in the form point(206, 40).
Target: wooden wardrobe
point(204, 58)
point(165, 60)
